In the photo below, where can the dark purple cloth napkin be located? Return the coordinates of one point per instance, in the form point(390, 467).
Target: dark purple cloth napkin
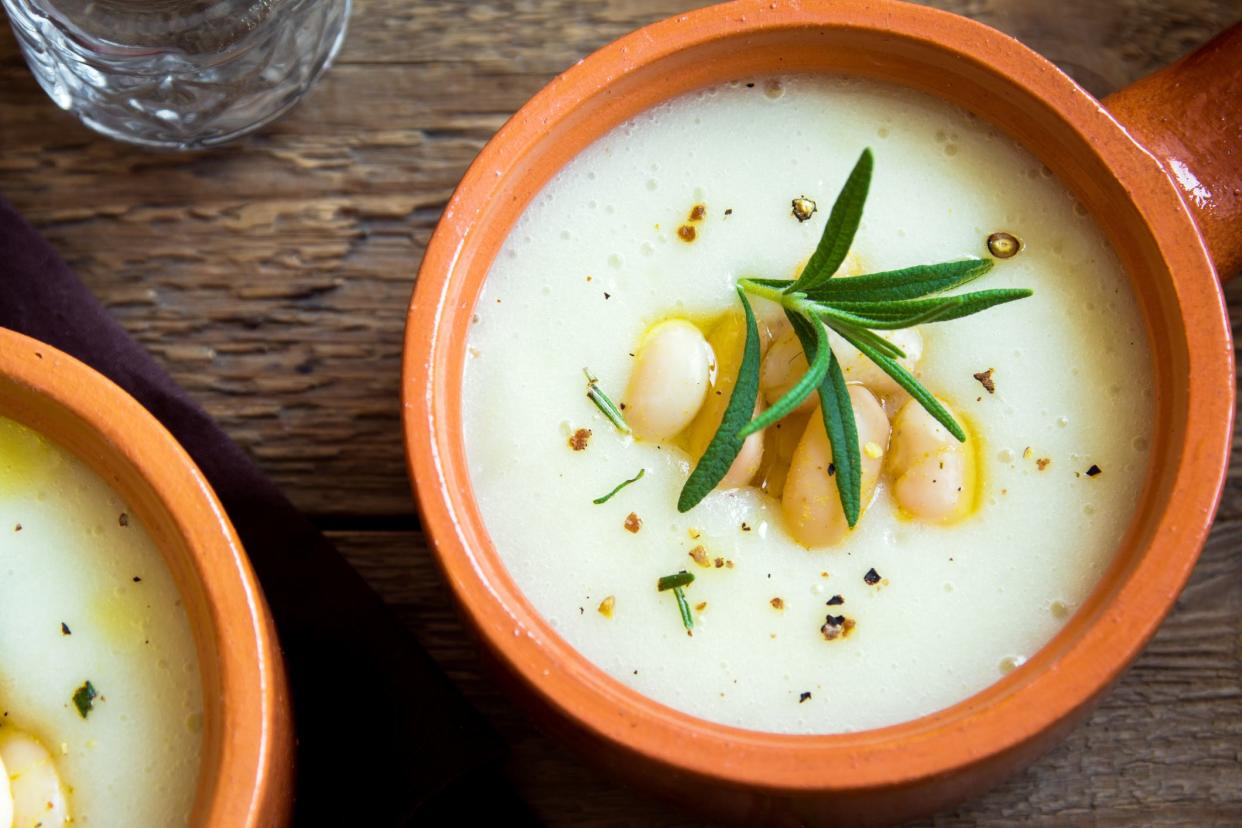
point(383, 737)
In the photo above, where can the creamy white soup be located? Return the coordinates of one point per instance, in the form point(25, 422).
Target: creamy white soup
point(99, 681)
point(798, 627)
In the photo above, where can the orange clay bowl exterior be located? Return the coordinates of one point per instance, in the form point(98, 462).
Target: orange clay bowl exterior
point(892, 773)
point(245, 779)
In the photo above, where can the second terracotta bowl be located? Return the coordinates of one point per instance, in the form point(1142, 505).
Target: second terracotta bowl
point(246, 770)
point(896, 772)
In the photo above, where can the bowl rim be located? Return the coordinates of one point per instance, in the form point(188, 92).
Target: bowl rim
point(1005, 719)
point(250, 782)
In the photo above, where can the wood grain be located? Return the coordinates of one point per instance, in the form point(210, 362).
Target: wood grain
point(272, 277)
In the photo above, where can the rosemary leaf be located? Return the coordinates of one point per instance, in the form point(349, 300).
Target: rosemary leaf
point(840, 229)
point(907, 283)
point(838, 414)
point(832, 313)
point(725, 445)
point(605, 405)
point(898, 314)
point(876, 341)
point(779, 284)
point(675, 581)
point(818, 361)
point(687, 620)
point(619, 487)
point(907, 381)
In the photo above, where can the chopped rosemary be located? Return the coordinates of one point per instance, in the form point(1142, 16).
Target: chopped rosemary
point(687, 620)
point(84, 698)
point(605, 405)
point(854, 308)
point(619, 487)
point(675, 581)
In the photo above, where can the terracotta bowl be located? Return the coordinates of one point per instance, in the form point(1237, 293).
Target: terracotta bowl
point(896, 772)
point(245, 780)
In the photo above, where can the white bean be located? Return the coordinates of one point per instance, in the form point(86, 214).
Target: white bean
point(726, 340)
point(858, 368)
point(38, 796)
point(933, 474)
point(770, 321)
point(747, 462)
point(669, 380)
point(783, 365)
point(810, 501)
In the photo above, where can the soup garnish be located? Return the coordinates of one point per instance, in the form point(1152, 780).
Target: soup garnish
point(855, 308)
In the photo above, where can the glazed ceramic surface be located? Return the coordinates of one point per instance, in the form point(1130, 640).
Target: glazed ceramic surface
point(597, 259)
point(246, 740)
point(888, 773)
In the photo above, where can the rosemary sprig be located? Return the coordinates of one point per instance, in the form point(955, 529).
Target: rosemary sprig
point(840, 229)
point(687, 620)
point(605, 405)
point(855, 308)
point(675, 581)
point(605, 498)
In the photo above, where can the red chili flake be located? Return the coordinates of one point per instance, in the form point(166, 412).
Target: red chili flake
point(686, 233)
point(698, 212)
point(872, 577)
point(579, 439)
point(699, 554)
point(985, 379)
point(633, 522)
point(777, 603)
point(1043, 462)
point(719, 562)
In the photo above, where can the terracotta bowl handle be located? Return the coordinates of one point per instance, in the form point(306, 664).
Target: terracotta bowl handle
point(1189, 115)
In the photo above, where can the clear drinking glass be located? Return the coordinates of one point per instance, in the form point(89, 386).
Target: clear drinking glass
point(178, 74)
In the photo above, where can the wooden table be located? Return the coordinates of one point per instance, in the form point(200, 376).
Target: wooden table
point(272, 277)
